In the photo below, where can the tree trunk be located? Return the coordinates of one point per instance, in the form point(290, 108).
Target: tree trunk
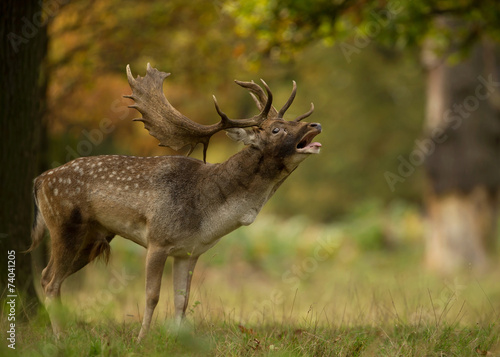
point(463, 170)
point(23, 31)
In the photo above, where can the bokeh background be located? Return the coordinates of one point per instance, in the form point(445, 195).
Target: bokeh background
point(395, 220)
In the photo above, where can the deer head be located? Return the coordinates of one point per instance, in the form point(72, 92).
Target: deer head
point(268, 129)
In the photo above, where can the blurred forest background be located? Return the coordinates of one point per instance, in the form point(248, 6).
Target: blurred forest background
point(407, 93)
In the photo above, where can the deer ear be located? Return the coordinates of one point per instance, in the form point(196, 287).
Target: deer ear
point(245, 135)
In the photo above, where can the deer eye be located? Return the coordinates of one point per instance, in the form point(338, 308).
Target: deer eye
point(276, 130)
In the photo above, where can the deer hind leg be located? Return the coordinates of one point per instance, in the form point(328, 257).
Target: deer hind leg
point(60, 263)
point(155, 262)
point(71, 251)
point(183, 273)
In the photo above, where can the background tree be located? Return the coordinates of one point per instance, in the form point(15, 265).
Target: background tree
point(462, 160)
point(23, 32)
point(463, 124)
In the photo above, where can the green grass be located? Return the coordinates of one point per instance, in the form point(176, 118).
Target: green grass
point(284, 288)
point(110, 338)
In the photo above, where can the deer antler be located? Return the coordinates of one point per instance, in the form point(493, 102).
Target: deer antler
point(258, 96)
point(168, 125)
point(260, 99)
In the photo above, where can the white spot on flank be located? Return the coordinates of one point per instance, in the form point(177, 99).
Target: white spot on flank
point(136, 185)
point(51, 172)
point(129, 178)
point(126, 187)
point(99, 163)
point(60, 180)
point(69, 180)
point(78, 190)
point(56, 191)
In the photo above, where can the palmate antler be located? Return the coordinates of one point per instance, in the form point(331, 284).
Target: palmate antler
point(177, 131)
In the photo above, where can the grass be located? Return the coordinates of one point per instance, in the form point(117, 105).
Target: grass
point(284, 288)
point(110, 338)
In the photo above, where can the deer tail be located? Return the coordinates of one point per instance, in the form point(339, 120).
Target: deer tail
point(101, 249)
point(38, 227)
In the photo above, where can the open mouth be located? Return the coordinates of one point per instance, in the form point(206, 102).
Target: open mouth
point(307, 146)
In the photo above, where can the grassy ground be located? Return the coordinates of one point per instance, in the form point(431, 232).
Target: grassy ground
point(285, 288)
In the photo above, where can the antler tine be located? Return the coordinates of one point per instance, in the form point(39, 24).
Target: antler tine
point(130, 77)
point(288, 102)
point(305, 115)
point(223, 116)
point(269, 103)
point(258, 95)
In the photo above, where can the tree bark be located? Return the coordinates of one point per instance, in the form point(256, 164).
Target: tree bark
point(463, 171)
point(23, 32)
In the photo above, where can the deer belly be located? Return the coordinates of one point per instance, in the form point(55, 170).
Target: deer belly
point(125, 223)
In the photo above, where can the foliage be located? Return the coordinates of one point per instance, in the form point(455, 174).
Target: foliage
point(285, 25)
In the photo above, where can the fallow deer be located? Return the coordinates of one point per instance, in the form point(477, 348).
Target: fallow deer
point(171, 205)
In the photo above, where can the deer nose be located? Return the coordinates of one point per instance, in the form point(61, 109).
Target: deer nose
point(317, 126)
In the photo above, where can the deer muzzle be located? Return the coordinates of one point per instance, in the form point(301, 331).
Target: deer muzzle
point(306, 144)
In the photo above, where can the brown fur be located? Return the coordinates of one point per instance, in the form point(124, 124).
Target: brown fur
point(171, 205)
point(38, 227)
point(101, 249)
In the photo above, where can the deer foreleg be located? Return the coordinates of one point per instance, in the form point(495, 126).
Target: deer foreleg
point(155, 262)
point(183, 273)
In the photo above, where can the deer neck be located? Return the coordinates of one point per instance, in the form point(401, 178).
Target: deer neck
point(245, 182)
point(251, 169)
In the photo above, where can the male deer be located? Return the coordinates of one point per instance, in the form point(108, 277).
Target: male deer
point(171, 205)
